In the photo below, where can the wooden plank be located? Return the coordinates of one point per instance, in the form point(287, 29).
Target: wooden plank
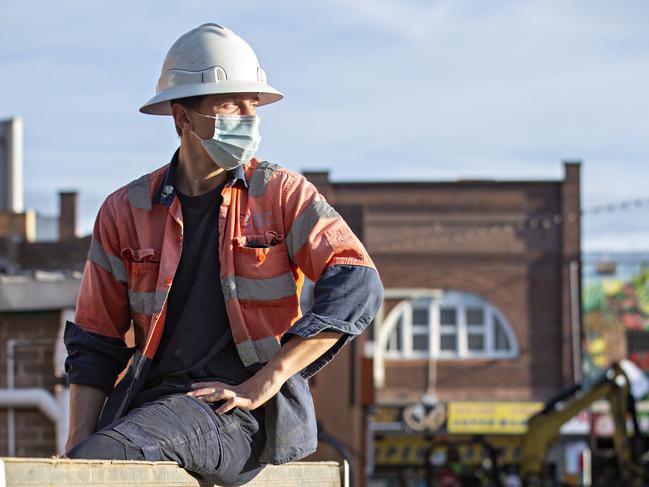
point(54, 472)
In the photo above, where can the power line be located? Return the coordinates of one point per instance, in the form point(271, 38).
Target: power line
point(539, 222)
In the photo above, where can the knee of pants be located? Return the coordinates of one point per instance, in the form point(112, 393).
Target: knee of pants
point(103, 447)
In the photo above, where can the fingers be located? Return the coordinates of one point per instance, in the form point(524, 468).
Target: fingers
point(206, 391)
point(235, 402)
point(211, 394)
point(230, 404)
point(207, 388)
point(218, 391)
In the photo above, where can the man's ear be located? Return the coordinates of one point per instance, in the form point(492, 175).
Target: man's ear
point(179, 114)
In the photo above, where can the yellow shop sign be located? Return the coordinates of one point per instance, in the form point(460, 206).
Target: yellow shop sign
point(485, 417)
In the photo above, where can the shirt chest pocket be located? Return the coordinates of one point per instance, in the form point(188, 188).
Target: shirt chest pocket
point(143, 267)
point(256, 259)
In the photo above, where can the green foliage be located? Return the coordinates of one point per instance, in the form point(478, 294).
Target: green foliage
point(593, 299)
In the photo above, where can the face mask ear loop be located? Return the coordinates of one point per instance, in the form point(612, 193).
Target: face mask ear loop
point(195, 135)
point(191, 131)
point(201, 115)
point(213, 117)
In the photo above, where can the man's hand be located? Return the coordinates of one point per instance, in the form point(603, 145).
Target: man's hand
point(296, 354)
point(248, 395)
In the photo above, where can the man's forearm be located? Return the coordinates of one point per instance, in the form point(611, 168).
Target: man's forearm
point(293, 356)
point(299, 352)
point(85, 406)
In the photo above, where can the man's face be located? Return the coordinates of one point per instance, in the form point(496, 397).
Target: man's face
point(228, 104)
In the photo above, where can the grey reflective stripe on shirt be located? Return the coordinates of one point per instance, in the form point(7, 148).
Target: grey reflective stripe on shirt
point(254, 351)
point(303, 224)
point(259, 289)
point(260, 178)
point(139, 194)
point(106, 261)
point(146, 303)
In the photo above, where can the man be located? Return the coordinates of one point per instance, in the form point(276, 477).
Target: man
point(206, 257)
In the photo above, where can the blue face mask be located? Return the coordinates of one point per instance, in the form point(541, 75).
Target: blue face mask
point(236, 139)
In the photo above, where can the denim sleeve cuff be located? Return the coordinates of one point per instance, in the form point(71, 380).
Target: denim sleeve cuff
point(94, 359)
point(310, 325)
point(346, 299)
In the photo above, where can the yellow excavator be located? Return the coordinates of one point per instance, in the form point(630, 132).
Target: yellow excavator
point(621, 385)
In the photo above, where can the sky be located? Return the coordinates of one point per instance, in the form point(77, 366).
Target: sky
point(374, 90)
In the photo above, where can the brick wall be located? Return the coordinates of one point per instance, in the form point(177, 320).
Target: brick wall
point(336, 395)
point(468, 236)
point(533, 310)
point(70, 254)
point(17, 224)
point(571, 253)
point(35, 434)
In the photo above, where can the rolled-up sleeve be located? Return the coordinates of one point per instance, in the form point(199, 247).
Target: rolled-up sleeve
point(93, 359)
point(348, 291)
point(346, 299)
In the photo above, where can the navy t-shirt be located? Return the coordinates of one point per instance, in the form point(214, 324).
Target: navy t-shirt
point(196, 343)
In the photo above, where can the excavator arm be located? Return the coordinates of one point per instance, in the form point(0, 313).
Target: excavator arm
point(544, 427)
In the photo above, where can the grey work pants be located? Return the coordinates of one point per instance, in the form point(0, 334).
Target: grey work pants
point(219, 448)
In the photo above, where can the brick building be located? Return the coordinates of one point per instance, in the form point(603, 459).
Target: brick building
point(482, 304)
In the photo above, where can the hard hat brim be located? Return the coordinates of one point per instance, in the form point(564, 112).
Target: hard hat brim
point(159, 104)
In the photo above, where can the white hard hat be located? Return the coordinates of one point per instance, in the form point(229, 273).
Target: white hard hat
point(208, 60)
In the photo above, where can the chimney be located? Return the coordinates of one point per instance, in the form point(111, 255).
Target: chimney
point(11, 165)
point(68, 215)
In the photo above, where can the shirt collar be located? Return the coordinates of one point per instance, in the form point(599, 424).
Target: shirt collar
point(166, 191)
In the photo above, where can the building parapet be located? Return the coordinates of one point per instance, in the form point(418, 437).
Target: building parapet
point(40, 290)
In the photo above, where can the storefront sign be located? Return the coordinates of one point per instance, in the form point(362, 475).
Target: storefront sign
point(400, 451)
point(473, 417)
point(412, 450)
point(418, 418)
point(421, 418)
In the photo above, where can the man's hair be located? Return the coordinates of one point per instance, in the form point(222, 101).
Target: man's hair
point(191, 102)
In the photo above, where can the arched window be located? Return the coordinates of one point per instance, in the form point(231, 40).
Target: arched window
point(453, 325)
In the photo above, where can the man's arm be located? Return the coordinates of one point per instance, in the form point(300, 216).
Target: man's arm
point(97, 352)
point(85, 405)
point(347, 294)
point(293, 356)
point(346, 299)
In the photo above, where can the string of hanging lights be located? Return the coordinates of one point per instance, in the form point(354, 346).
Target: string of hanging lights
point(434, 234)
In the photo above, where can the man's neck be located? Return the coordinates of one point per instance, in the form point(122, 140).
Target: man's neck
point(197, 173)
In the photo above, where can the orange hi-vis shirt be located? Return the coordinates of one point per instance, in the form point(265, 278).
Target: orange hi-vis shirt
point(274, 229)
point(272, 234)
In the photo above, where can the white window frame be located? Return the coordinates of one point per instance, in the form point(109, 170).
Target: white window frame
point(461, 302)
